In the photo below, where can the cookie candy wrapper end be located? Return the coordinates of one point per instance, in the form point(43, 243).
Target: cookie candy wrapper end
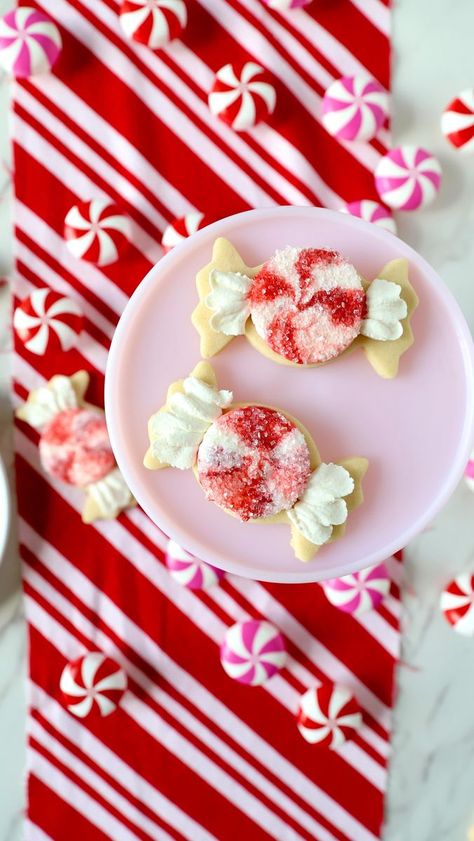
point(255, 462)
point(345, 311)
point(74, 444)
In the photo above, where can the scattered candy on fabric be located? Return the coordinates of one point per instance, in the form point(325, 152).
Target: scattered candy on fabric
point(328, 716)
point(97, 231)
point(153, 22)
point(252, 651)
point(47, 322)
point(92, 684)
point(457, 122)
point(30, 42)
point(189, 571)
point(307, 304)
point(284, 5)
point(354, 108)
point(372, 211)
point(469, 472)
point(242, 95)
point(408, 178)
point(457, 604)
point(253, 462)
point(182, 228)
point(359, 592)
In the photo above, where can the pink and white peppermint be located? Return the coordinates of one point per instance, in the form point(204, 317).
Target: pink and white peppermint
point(359, 592)
point(182, 228)
point(354, 108)
point(284, 5)
point(328, 716)
point(457, 604)
point(371, 211)
point(47, 322)
point(30, 42)
point(92, 684)
point(97, 231)
point(457, 122)
point(242, 95)
point(252, 651)
point(469, 472)
point(153, 22)
point(189, 571)
point(408, 178)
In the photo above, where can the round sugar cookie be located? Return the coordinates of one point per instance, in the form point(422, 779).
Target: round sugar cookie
point(75, 448)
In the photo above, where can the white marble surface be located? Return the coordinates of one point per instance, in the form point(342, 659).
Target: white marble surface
point(431, 792)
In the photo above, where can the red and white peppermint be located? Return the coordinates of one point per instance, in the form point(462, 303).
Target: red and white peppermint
point(469, 472)
point(253, 462)
point(242, 95)
point(457, 122)
point(92, 684)
point(97, 231)
point(408, 178)
point(359, 592)
point(328, 716)
point(372, 211)
point(354, 108)
point(30, 42)
point(190, 571)
point(253, 651)
point(457, 604)
point(153, 22)
point(75, 447)
point(284, 5)
point(182, 228)
point(47, 322)
point(307, 304)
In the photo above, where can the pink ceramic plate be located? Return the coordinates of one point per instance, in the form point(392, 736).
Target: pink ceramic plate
point(415, 430)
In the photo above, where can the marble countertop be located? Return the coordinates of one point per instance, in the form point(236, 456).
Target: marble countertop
point(431, 795)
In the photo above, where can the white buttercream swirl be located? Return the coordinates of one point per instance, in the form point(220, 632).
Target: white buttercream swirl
point(110, 494)
point(321, 507)
point(228, 302)
point(177, 431)
point(385, 311)
point(46, 402)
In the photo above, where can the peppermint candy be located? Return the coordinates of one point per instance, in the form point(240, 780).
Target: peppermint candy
point(47, 322)
point(30, 42)
point(457, 604)
point(457, 122)
point(469, 472)
point(189, 571)
point(242, 95)
point(92, 684)
point(284, 5)
point(253, 651)
point(408, 178)
point(328, 716)
point(354, 108)
point(182, 228)
point(372, 211)
point(359, 592)
point(153, 22)
point(97, 231)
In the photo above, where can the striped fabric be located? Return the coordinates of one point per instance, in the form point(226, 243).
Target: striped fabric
point(190, 753)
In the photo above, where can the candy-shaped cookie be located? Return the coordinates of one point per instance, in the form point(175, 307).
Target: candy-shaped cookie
point(354, 108)
point(255, 462)
point(305, 306)
point(92, 684)
point(242, 95)
point(252, 652)
point(74, 444)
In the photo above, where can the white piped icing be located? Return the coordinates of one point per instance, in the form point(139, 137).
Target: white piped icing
point(177, 431)
point(46, 402)
point(385, 311)
point(110, 494)
point(322, 505)
point(228, 302)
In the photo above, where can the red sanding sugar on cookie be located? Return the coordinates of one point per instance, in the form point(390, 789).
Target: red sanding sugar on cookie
point(254, 462)
point(75, 447)
point(307, 304)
